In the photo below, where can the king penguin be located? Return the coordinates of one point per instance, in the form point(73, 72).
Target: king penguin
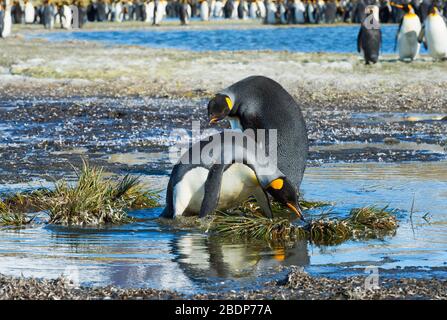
point(435, 34)
point(408, 33)
point(6, 21)
point(204, 10)
point(258, 102)
point(183, 12)
point(369, 38)
point(30, 13)
point(227, 175)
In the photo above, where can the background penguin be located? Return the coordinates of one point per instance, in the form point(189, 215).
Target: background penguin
point(119, 14)
point(218, 9)
point(150, 11)
point(204, 10)
point(2, 15)
point(262, 10)
point(299, 12)
point(253, 9)
point(183, 12)
point(6, 21)
point(271, 12)
point(203, 187)
point(435, 33)
point(369, 38)
point(48, 15)
point(66, 16)
point(29, 12)
point(259, 102)
point(408, 33)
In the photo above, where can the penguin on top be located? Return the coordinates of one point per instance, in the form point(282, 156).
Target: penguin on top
point(434, 32)
point(220, 172)
point(408, 33)
point(258, 102)
point(369, 39)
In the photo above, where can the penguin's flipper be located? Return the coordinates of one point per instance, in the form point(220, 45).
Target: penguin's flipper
point(422, 36)
point(263, 201)
point(359, 41)
point(397, 34)
point(212, 190)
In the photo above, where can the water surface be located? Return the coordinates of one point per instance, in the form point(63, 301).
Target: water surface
point(337, 39)
point(150, 254)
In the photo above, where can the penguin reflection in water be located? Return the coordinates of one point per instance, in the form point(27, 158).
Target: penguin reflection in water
point(369, 38)
point(222, 171)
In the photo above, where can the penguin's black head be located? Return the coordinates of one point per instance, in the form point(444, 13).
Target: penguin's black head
point(434, 10)
point(219, 107)
point(282, 190)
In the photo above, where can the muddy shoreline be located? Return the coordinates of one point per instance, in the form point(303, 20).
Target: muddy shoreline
point(297, 285)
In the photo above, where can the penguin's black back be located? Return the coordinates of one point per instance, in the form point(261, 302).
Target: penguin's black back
point(262, 103)
point(370, 41)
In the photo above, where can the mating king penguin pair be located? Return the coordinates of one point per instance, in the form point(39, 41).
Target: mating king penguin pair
point(369, 39)
point(257, 102)
point(434, 34)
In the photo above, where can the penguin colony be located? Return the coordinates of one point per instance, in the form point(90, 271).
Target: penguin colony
point(270, 11)
point(419, 21)
point(225, 178)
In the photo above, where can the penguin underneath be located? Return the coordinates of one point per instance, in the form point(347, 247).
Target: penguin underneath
point(258, 102)
point(408, 33)
point(435, 34)
point(369, 38)
point(229, 177)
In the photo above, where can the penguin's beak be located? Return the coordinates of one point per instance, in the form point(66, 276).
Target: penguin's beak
point(296, 209)
point(214, 120)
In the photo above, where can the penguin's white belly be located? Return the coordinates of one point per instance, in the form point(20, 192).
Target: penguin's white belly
point(271, 14)
point(7, 24)
point(239, 182)
point(66, 19)
point(436, 34)
point(29, 13)
point(253, 10)
point(204, 11)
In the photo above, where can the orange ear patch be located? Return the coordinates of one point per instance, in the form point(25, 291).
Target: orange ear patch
point(277, 184)
point(229, 103)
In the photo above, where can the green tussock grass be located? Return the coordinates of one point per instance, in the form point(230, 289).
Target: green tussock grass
point(92, 200)
point(362, 223)
point(12, 218)
point(96, 200)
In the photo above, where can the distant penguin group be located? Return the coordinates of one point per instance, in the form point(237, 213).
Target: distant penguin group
point(410, 34)
point(199, 188)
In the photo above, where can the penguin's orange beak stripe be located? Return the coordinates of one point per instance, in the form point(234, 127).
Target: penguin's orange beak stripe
point(296, 210)
point(214, 120)
point(397, 5)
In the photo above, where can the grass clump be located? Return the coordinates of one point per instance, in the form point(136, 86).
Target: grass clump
point(95, 200)
point(91, 200)
point(362, 223)
point(12, 218)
